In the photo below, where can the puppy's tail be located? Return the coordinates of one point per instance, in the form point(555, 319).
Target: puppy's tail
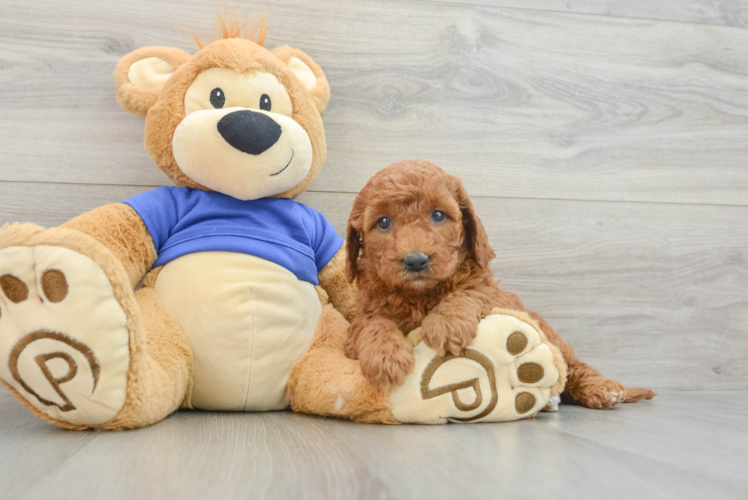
point(634, 394)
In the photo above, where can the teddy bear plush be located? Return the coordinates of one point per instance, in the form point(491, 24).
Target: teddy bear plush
point(222, 292)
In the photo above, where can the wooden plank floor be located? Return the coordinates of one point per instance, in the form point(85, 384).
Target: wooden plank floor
point(605, 144)
point(682, 445)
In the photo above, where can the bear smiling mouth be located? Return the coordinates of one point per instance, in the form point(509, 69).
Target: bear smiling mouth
point(287, 164)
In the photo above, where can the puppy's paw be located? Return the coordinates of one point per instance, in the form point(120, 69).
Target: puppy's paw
point(444, 334)
point(388, 364)
point(599, 393)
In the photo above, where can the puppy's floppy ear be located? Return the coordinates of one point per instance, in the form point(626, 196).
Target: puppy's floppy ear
point(353, 237)
point(141, 75)
point(476, 239)
point(308, 72)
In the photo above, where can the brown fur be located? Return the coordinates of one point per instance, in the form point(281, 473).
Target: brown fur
point(231, 26)
point(449, 299)
point(121, 230)
point(340, 293)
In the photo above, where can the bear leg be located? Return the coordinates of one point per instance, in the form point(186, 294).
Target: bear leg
point(325, 382)
point(77, 346)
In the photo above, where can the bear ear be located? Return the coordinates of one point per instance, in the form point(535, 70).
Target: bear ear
point(141, 75)
point(308, 73)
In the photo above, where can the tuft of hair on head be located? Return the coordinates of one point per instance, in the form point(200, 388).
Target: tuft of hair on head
point(230, 25)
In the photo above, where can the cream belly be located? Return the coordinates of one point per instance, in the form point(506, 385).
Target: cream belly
point(248, 321)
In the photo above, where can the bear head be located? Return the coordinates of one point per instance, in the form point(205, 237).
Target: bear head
point(235, 117)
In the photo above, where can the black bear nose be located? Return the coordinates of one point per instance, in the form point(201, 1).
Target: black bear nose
point(249, 131)
point(416, 262)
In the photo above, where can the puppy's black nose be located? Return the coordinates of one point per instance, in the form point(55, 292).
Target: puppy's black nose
point(249, 131)
point(416, 262)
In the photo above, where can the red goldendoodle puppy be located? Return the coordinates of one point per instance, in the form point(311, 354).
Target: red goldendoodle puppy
point(420, 255)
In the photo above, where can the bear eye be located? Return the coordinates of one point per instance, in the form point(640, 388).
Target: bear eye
point(217, 98)
point(437, 216)
point(384, 223)
point(265, 103)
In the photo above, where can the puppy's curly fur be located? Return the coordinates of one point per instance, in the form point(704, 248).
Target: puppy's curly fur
point(415, 208)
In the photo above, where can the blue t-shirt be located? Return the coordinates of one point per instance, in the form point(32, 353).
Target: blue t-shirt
point(183, 221)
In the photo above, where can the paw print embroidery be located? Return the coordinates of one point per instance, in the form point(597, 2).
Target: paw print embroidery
point(63, 335)
point(55, 289)
point(506, 374)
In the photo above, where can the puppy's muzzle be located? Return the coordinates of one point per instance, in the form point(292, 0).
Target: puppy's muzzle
point(415, 262)
point(249, 131)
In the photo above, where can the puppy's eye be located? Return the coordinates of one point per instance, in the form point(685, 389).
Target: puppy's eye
point(437, 216)
point(384, 223)
point(217, 98)
point(265, 102)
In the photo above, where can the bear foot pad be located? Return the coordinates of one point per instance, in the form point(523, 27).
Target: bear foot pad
point(64, 342)
point(506, 374)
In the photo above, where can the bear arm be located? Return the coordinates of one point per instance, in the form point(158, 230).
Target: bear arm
point(341, 293)
point(119, 228)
